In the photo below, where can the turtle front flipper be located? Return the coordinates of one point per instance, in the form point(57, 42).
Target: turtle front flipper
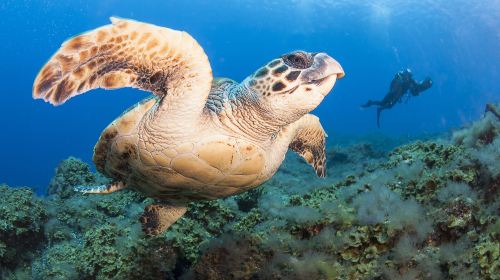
point(308, 140)
point(102, 189)
point(159, 217)
point(129, 53)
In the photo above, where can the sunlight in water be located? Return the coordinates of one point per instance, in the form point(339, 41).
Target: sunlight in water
point(380, 11)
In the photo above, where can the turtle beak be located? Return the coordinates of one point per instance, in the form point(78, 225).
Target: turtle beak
point(323, 67)
point(324, 72)
point(333, 67)
point(339, 71)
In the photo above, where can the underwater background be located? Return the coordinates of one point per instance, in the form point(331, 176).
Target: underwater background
point(416, 198)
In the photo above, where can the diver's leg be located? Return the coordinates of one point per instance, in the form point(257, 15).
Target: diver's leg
point(371, 103)
point(379, 110)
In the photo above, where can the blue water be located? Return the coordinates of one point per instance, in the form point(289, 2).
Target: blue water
point(455, 42)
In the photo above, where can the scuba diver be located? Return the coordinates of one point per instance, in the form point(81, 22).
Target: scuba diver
point(400, 85)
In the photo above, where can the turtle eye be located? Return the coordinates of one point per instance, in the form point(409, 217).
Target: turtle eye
point(298, 60)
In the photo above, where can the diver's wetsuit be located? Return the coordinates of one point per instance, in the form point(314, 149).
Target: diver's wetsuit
point(400, 85)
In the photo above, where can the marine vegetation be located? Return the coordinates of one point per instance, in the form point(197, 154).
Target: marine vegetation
point(424, 210)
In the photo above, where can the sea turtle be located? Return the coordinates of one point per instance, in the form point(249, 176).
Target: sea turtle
point(196, 138)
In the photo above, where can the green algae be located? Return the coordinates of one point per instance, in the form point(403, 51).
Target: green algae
point(248, 222)
point(22, 218)
point(488, 255)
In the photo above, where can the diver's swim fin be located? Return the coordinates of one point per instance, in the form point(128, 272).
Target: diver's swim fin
point(367, 104)
point(371, 103)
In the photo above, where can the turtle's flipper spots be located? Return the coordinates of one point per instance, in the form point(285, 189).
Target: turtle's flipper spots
point(103, 189)
point(125, 53)
point(158, 217)
point(309, 142)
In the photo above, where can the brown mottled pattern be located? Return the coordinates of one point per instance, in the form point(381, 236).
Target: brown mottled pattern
point(124, 54)
point(158, 217)
point(277, 81)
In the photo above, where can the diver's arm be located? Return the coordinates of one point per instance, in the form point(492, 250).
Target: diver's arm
point(371, 103)
point(422, 86)
point(414, 88)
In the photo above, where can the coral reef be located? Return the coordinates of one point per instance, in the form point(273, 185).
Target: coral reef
point(425, 210)
point(22, 218)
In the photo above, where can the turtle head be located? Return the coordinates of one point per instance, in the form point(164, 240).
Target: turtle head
point(295, 83)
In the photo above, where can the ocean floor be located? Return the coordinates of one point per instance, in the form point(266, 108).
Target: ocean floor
point(423, 210)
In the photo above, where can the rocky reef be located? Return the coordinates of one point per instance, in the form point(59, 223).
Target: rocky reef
point(425, 210)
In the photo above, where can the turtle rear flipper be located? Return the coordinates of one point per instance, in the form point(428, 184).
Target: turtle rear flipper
point(159, 217)
point(102, 189)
